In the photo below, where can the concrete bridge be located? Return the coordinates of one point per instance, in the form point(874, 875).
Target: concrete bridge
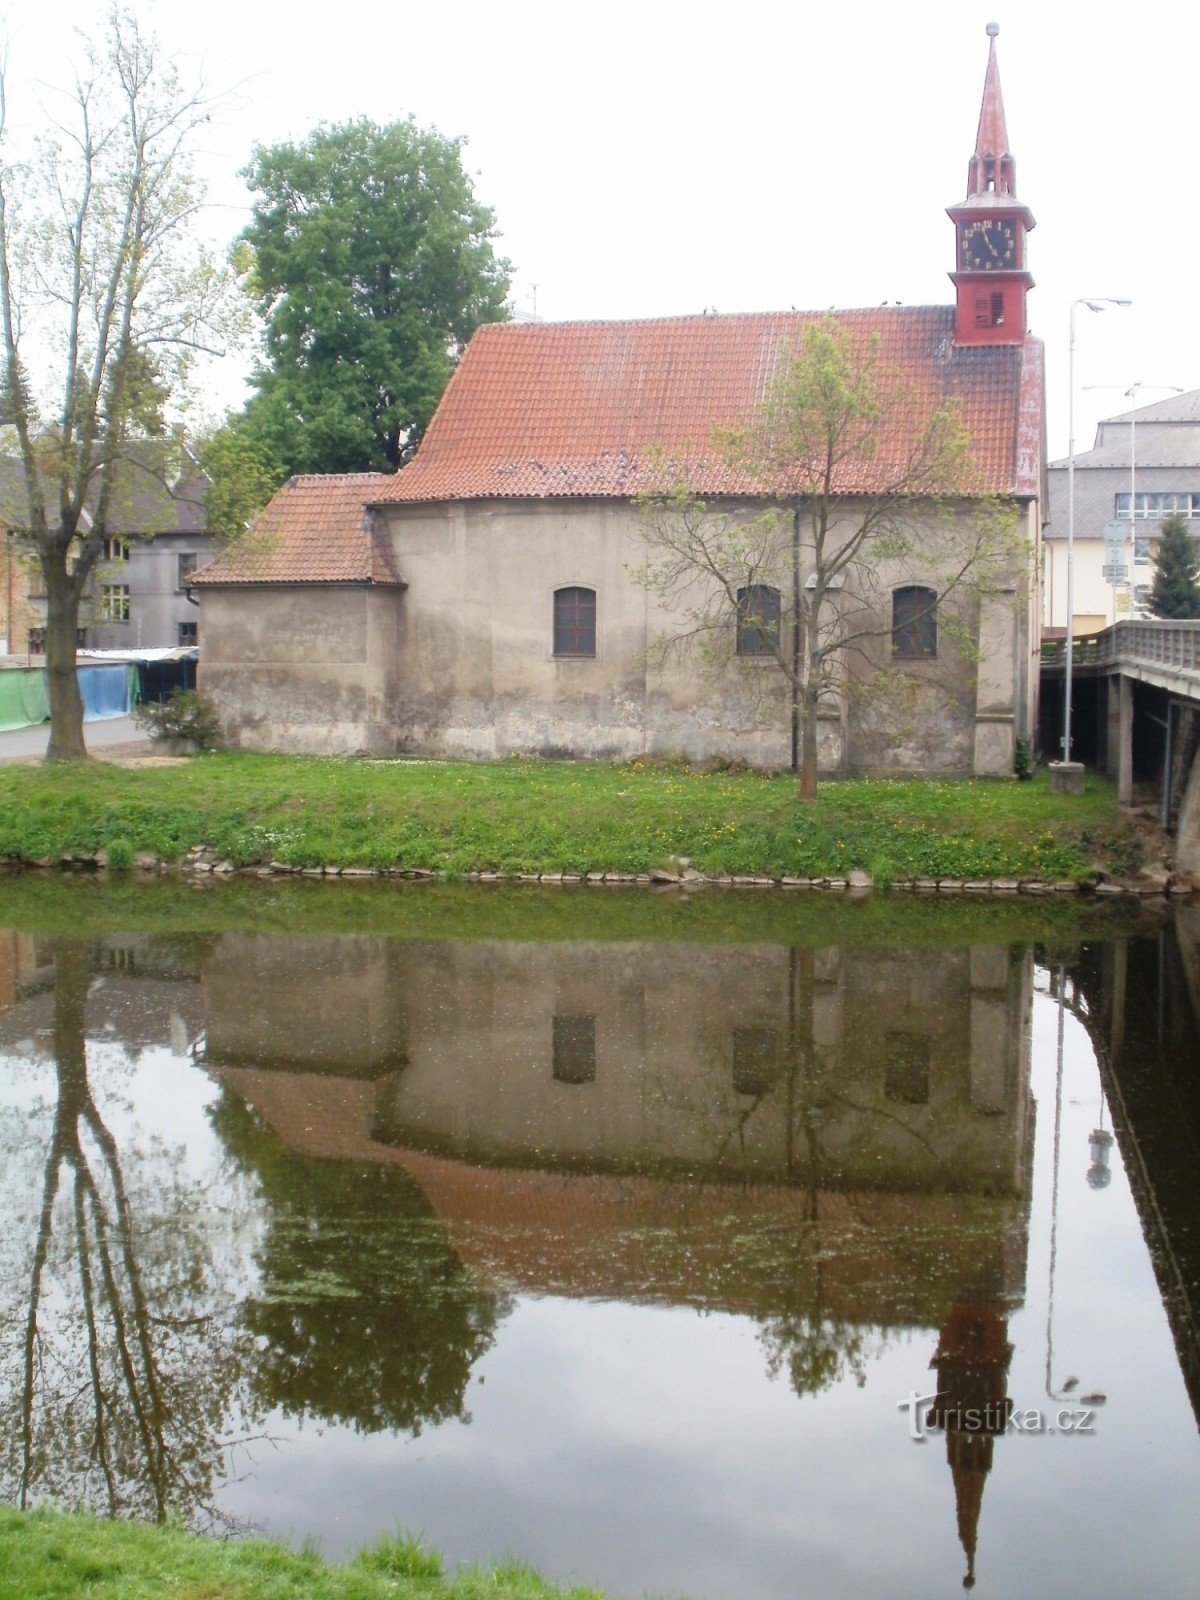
point(1136, 714)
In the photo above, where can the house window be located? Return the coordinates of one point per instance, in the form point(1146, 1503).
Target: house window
point(914, 622)
point(906, 1069)
point(755, 1059)
point(36, 643)
point(574, 1049)
point(114, 602)
point(574, 622)
point(757, 620)
point(187, 565)
point(1153, 507)
point(189, 633)
point(114, 550)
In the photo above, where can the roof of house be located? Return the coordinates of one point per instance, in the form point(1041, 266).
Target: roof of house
point(1176, 446)
point(1167, 434)
point(155, 491)
point(1184, 408)
point(552, 410)
point(316, 529)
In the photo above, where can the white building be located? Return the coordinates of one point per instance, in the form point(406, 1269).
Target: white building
point(1145, 465)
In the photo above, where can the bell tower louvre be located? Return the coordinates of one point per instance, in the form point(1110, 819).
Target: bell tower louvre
point(991, 225)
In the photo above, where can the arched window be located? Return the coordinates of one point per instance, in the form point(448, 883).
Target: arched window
point(574, 622)
point(914, 622)
point(757, 620)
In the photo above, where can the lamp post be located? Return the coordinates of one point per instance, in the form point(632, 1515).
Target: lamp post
point(1093, 303)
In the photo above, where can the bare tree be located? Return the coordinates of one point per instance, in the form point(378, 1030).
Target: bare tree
point(852, 487)
point(106, 298)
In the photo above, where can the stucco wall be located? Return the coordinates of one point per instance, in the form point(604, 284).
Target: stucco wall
point(157, 605)
point(479, 677)
point(305, 668)
point(461, 663)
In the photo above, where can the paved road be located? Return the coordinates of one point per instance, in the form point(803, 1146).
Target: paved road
point(22, 743)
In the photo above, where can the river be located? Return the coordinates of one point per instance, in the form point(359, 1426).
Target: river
point(727, 1246)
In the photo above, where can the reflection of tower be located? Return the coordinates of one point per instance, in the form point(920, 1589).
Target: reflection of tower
point(972, 1360)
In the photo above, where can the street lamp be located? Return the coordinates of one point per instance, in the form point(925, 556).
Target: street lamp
point(1093, 303)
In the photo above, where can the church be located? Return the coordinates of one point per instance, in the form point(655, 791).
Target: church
point(490, 599)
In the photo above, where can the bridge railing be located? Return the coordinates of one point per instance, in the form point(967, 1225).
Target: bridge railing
point(1166, 644)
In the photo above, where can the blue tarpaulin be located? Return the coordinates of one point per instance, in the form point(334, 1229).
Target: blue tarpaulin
point(107, 691)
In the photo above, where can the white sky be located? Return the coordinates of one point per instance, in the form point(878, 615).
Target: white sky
point(657, 158)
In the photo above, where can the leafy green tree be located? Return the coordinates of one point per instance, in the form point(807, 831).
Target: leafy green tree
point(242, 476)
point(1175, 590)
point(371, 262)
point(106, 297)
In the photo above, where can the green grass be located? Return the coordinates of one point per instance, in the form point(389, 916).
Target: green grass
point(45, 1555)
point(520, 816)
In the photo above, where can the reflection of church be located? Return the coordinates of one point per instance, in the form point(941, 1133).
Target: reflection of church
point(620, 1119)
point(615, 1119)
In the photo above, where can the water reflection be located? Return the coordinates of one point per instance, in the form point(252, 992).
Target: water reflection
point(121, 1389)
point(405, 1146)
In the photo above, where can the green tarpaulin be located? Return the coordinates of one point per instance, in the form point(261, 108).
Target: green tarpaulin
point(23, 698)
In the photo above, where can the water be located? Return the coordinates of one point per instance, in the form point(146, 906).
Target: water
point(624, 1252)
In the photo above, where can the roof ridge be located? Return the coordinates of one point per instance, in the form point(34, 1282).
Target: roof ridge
point(332, 477)
point(705, 316)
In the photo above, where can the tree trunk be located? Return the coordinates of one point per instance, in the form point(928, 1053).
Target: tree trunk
point(62, 682)
point(808, 759)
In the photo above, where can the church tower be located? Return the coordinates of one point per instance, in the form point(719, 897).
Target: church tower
point(991, 226)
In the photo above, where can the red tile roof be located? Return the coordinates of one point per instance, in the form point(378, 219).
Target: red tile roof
point(541, 410)
point(317, 529)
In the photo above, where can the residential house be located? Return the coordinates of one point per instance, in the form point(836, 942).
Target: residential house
point(137, 595)
point(1144, 466)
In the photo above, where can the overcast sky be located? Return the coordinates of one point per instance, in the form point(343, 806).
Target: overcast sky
point(659, 158)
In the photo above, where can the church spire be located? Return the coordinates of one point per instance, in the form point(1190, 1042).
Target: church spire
point(992, 169)
point(991, 279)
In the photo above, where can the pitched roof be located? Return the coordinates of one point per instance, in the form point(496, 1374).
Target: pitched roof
point(541, 410)
point(1176, 408)
point(316, 529)
point(144, 499)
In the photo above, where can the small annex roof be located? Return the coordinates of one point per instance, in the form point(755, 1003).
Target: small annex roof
point(584, 409)
point(316, 529)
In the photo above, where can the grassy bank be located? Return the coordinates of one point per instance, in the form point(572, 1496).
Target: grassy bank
point(549, 817)
point(45, 1555)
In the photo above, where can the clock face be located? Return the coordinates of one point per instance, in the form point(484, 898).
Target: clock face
point(988, 245)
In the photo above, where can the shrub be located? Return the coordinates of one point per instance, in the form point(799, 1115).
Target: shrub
point(185, 714)
point(120, 854)
point(1022, 760)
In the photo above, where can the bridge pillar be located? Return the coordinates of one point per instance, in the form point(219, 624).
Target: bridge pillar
point(1118, 745)
point(1187, 839)
point(1125, 757)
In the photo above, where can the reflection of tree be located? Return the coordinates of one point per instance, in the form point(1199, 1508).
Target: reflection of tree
point(123, 1379)
point(365, 1314)
point(804, 1337)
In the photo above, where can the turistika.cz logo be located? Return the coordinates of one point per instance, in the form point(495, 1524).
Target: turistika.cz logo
point(995, 1417)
